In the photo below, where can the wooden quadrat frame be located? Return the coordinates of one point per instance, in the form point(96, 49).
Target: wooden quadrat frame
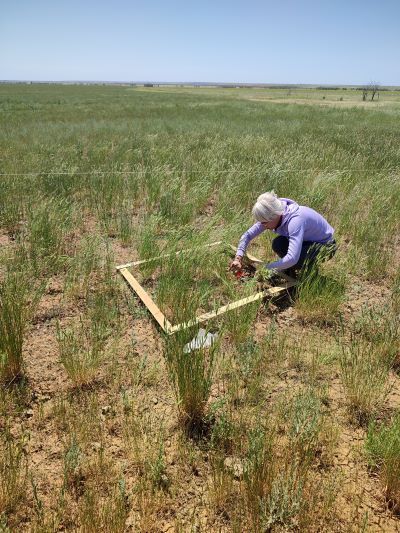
point(159, 316)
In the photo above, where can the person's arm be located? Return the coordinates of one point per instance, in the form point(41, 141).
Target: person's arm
point(296, 234)
point(248, 236)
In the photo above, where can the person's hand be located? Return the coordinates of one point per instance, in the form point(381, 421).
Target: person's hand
point(236, 264)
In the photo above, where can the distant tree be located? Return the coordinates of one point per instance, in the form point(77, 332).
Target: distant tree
point(364, 93)
point(374, 87)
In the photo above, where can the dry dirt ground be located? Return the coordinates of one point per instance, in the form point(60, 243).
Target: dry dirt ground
point(360, 497)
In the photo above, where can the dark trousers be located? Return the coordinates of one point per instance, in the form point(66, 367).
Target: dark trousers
point(312, 253)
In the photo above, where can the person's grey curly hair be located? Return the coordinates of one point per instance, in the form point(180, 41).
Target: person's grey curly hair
point(267, 207)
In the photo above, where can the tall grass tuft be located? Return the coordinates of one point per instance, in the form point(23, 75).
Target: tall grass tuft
point(191, 375)
point(381, 328)
point(365, 377)
point(17, 302)
point(305, 420)
point(81, 350)
point(108, 514)
point(48, 224)
point(318, 296)
point(383, 448)
point(13, 472)
point(259, 472)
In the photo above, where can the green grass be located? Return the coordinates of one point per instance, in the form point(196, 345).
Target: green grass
point(96, 176)
point(383, 449)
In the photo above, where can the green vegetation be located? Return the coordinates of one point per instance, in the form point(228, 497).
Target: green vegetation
point(383, 447)
point(126, 430)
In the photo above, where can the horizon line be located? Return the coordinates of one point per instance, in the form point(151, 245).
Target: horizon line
point(194, 83)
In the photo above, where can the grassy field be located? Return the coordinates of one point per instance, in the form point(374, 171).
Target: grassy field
point(291, 420)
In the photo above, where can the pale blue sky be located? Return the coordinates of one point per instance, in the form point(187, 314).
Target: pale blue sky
point(280, 41)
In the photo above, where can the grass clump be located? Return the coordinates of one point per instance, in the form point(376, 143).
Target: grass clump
point(72, 465)
point(259, 471)
point(365, 379)
point(17, 302)
point(46, 243)
point(13, 472)
point(381, 327)
point(108, 514)
point(81, 350)
point(319, 296)
point(191, 375)
point(383, 449)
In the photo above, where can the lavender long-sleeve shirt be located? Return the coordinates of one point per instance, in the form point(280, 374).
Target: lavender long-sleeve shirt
point(299, 223)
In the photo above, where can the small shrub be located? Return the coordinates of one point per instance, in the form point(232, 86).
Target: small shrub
point(286, 500)
point(383, 448)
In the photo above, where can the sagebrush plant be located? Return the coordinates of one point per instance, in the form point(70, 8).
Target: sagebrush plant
point(18, 300)
point(365, 378)
point(191, 374)
point(383, 449)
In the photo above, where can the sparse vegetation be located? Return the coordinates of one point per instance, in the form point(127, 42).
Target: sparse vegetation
point(365, 377)
point(383, 447)
point(118, 428)
point(17, 302)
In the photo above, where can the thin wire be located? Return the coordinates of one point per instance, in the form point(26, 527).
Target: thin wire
point(101, 172)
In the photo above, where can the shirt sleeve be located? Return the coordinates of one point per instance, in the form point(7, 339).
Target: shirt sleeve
point(248, 236)
point(296, 235)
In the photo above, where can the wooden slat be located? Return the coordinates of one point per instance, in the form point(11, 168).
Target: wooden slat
point(147, 300)
point(251, 258)
point(157, 258)
point(229, 307)
point(161, 318)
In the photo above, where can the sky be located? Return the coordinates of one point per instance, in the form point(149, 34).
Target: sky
point(349, 42)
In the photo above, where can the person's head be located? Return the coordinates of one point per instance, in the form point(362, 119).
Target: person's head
point(268, 210)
